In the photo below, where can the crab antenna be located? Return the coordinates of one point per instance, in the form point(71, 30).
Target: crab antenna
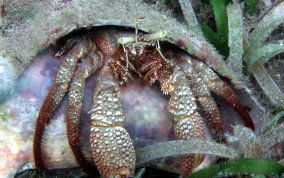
point(137, 21)
point(127, 61)
point(136, 30)
point(160, 52)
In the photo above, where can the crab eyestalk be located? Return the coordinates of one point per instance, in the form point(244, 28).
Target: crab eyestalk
point(125, 40)
point(156, 36)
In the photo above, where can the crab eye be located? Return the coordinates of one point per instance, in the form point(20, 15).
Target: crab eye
point(163, 33)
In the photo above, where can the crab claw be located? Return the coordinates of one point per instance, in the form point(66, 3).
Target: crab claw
point(111, 144)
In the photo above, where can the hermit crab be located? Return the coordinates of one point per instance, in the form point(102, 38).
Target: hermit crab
point(120, 56)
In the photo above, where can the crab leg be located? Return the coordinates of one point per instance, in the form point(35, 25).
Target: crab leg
point(222, 89)
point(55, 96)
point(88, 66)
point(208, 104)
point(188, 122)
point(112, 148)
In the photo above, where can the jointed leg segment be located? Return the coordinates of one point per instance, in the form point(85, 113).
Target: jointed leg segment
point(188, 122)
point(223, 90)
point(205, 99)
point(209, 106)
point(88, 66)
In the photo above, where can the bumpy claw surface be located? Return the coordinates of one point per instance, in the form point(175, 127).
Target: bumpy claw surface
point(112, 148)
point(188, 122)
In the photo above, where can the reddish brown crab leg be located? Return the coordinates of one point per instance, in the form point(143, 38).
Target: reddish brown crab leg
point(223, 90)
point(55, 96)
point(207, 102)
point(112, 148)
point(203, 95)
point(88, 66)
point(188, 122)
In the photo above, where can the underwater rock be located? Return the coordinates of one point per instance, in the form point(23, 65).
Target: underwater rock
point(7, 78)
